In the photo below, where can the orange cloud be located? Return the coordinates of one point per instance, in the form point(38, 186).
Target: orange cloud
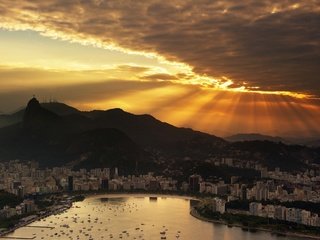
point(247, 42)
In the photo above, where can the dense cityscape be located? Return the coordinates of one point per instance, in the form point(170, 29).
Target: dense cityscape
point(266, 196)
point(146, 120)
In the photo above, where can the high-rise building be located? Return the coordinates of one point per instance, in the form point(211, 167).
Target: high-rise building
point(234, 179)
point(21, 191)
point(194, 183)
point(29, 206)
point(154, 185)
point(116, 173)
point(264, 173)
point(291, 215)
point(255, 208)
point(70, 183)
point(104, 183)
point(280, 212)
point(243, 192)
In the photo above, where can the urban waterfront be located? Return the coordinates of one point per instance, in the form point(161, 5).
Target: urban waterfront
point(136, 216)
point(184, 119)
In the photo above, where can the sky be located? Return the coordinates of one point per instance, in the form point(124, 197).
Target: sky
point(222, 67)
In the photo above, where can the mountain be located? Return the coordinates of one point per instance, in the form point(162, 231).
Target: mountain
point(313, 143)
point(145, 130)
point(272, 154)
point(253, 137)
point(55, 107)
point(57, 134)
point(9, 119)
point(54, 140)
point(60, 108)
point(106, 147)
point(37, 117)
point(149, 132)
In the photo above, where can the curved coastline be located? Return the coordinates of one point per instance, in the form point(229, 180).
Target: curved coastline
point(98, 195)
point(195, 214)
point(36, 218)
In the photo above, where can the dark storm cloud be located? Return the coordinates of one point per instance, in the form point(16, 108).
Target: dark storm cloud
point(270, 44)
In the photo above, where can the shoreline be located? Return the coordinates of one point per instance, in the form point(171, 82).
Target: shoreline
point(195, 214)
point(117, 194)
point(37, 218)
point(94, 195)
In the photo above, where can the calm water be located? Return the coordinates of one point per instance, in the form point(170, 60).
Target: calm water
point(133, 217)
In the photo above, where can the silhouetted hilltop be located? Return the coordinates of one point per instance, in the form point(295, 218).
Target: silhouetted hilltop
point(37, 117)
point(107, 147)
point(147, 131)
point(55, 107)
point(272, 154)
point(56, 134)
point(54, 140)
point(60, 108)
point(68, 135)
point(253, 137)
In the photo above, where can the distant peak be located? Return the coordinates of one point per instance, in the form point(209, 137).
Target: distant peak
point(33, 103)
point(116, 110)
point(35, 115)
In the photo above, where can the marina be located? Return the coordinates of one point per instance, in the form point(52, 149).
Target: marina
point(131, 217)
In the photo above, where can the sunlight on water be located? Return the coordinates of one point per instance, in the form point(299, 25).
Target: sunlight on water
point(132, 217)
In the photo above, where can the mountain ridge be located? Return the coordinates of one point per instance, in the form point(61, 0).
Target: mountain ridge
point(82, 139)
point(254, 136)
point(44, 134)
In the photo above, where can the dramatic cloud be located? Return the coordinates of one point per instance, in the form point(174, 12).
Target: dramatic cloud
point(272, 45)
point(28, 78)
point(160, 77)
point(215, 111)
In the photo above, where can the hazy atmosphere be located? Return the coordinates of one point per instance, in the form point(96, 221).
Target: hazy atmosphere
point(181, 119)
point(222, 67)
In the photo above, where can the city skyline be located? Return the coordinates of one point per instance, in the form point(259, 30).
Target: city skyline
point(181, 119)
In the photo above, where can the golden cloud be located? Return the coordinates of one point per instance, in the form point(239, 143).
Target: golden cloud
point(268, 44)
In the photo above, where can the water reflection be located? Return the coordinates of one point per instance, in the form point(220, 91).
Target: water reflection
point(116, 200)
point(133, 217)
point(153, 199)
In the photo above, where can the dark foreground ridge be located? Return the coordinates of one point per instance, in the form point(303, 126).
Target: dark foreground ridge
point(55, 134)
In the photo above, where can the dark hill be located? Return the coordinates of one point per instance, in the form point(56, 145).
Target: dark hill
point(56, 134)
point(37, 117)
point(145, 130)
point(271, 154)
point(253, 137)
point(54, 126)
point(107, 147)
point(55, 107)
point(152, 133)
point(52, 140)
point(60, 108)
point(10, 119)
point(313, 143)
